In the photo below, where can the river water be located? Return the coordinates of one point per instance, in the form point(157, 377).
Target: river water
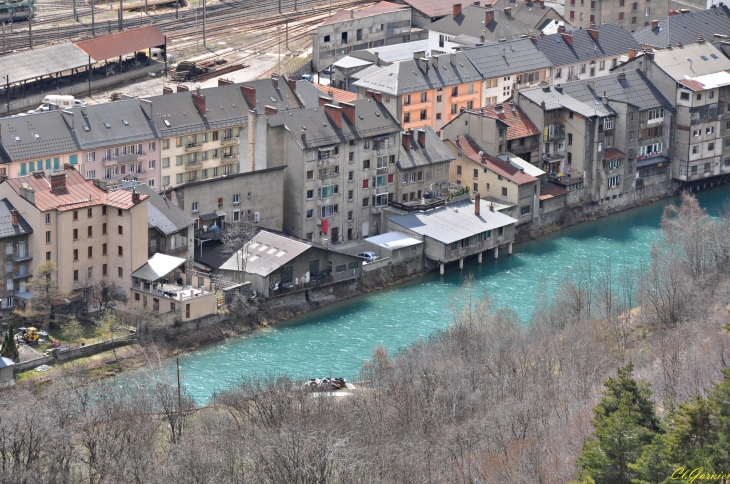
point(334, 341)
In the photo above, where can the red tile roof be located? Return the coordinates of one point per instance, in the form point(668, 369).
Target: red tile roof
point(432, 8)
point(692, 84)
point(122, 43)
point(376, 9)
point(78, 192)
point(550, 190)
point(519, 125)
point(612, 154)
point(471, 150)
point(337, 94)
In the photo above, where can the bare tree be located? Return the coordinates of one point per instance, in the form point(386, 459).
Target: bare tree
point(46, 295)
point(235, 241)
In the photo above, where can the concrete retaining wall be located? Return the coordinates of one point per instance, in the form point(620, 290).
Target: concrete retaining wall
point(30, 364)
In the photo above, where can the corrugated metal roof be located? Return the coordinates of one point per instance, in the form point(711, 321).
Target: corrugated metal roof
point(7, 229)
point(685, 28)
point(393, 240)
point(266, 253)
point(122, 43)
point(454, 222)
point(41, 62)
point(78, 193)
point(710, 81)
point(550, 190)
point(158, 267)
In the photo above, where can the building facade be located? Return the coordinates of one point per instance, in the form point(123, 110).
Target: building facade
point(628, 14)
point(423, 164)
point(14, 234)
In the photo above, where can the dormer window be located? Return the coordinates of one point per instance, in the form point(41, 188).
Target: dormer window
point(17, 138)
point(125, 122)
point(167, 123)
point(36, 136)
point(107, 125)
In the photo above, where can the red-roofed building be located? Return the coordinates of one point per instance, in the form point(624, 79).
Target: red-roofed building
point(88, 232)
point(337, 94)
point(499, 129)
point(494, 179)
point(383, 23)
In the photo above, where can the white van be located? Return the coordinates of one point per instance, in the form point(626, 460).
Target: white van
point(62, 102)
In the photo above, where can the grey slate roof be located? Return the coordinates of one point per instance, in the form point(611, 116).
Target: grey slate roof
point(685, 28)
point(555, 99)
point(281, 97)
point(471, 22)
point(371, 119)
point(674, 61)
point(162, 214)
point(411, 76)
point(397, 52)
point(434, 152)
point(308, 94)
point(508, 58)
point(138, 128)
point(529, 13)
point(453, 222)
point(612, 41)
point(55, 137)
point(7, 229)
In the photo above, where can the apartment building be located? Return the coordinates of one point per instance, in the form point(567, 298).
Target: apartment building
point(613, 136)
point(685, 28)
point(383, 23)
point(340, 166)
point(14, 233)
point(627, 14)
point(89, 233)
point(695, 80)
point(515, 192)
point(426, 91)
point(425, 12)
point(475, 24)
point(539, 14)
point(36, 142)
point(423, 163)
point(118, 142)
point(586, 53)
point(509, 66)
point(499, 129)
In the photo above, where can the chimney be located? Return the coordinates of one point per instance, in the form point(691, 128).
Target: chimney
point(199, 101)
point(368, 93)
point(700, 40)
point(423, 64)
point(654, 24)
point(224, 82)
point(435, 62)
point(457, 9)
point(604, 99)
point(406, 139)
point(679, 44)
point(322, 100)
point(568, 38)
point(14, 218)
point(166, 90)
point(69, 117)
point(292, 84)
point(334, 113)
point(421, 137)
point(181, 88)
point(632, 53)
point(352, 14)
point(533, 39)
point(508, 11)
point(649, 54)
point(377, 58)
point(593, 32)
point(146, 107)
point(58, 180)
point(417, 54)
point(621, 76)
point(270, 110)
point(488, 17)
point(304, 134)
point(348, 110)
point(477, 203)
point(561, 28)
point(378, 97)
point(135, 196)
point(491, 207)
point(250, 94)
point(275, 80)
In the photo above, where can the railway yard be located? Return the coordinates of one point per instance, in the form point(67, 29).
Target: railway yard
point(240, 40)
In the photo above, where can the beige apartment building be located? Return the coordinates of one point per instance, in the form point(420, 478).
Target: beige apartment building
point(629, 14)
point(89, 233)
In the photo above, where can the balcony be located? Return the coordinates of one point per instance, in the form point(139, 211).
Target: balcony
point(229, 141)
point(551, 157)
point(554, 132)
point(376, 210)
point(193, 165)
point(21, 274)
point(229, 158)
point(19, 257)
point(123, 159)
point(380, 190)
point(193, 147)
point(126, 177)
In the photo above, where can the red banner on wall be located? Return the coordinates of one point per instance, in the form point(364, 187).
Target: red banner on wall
point(325, 226)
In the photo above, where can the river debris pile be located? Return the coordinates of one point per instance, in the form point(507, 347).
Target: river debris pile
point(328, 384)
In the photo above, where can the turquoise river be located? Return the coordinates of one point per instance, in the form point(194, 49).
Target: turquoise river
point(335, 340)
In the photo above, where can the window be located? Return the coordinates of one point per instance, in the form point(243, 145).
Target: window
point(525, 210)
point(602, 65)
point(89, 231)
point(458, 169)
point(76, 214)
point(694, 169)
point(48, 218)
point(76, 234)
point(593, 19)
point(48, 237)
point(504, 191)
point(710, 130)
point(365, 164)
point(406, 99)
point(194, 206)
point(365, 202)
point(220, 202)
point(365, 183)
point(613, 181)
point(633, 20)
point(695, 149)
point(76, 254)
point(613, 164)
point(424, 114)
point(349, 215)
point(310, 194)
point(707, 167)
point(710, 146)
point(684, 95)
point(572, 14)
point(91, 156)
point(570, 139)
point(120, 230)
point(455, 91)
point(89, 252)
point(349, 195)
point(120, 251)
point(76, 275)
point(424, 97)
point(119, 212)
point(454, 108)
point(310, 213)
point(103, 249)
point(120, 273)
point(699, 97)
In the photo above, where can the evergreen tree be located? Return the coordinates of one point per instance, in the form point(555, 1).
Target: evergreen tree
point(9, 348)
point(625, 424)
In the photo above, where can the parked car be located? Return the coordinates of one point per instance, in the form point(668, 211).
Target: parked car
point(328, 70)
point(368, 256)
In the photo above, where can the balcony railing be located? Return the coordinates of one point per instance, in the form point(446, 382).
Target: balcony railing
point(21, 274)
point(193, 146)
point(21, 256)
point(556, 133)
point(229, 158)
point(229, 141)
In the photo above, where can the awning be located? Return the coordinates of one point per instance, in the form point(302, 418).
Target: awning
point(24, 295)
point(209, 216)
point(612, 154)
point(652, 161)
point(122, 43)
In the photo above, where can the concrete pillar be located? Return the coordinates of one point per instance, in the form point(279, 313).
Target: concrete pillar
point(509, 250)
point(461, 263)
point(480, 258)
point(441, 268)
point(496, 252)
